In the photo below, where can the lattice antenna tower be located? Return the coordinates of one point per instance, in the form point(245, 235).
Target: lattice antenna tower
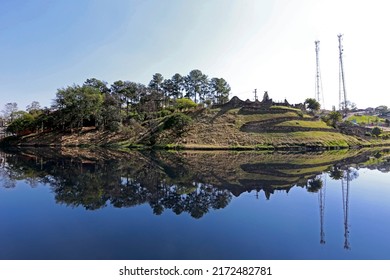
point(345, 194)
point(321, 202)
point(319, 95)
point(342, 92)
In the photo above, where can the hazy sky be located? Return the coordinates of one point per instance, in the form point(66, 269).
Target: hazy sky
point(263, 44)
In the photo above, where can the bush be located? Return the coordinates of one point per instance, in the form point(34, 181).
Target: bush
point(23, 125)
point(376, 131)
point(184, 103)
point(178, 123)
point(163, 113)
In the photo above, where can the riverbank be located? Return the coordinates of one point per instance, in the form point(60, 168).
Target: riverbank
point(214, 129)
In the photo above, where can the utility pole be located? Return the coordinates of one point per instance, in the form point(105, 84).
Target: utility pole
point(255, 92)
point(342, 92)
point(318, 84)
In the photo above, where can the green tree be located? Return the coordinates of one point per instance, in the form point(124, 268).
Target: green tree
point(196, 85)
point(24, 124)
point(98, 84)
point(333, 118)
point(184, 103)
point(177, 86)
point(312, 104)
point(156, 82)
point(219, 90)
point(9, 111)
point(376, 131)
point(78, 103)
point(33, 108)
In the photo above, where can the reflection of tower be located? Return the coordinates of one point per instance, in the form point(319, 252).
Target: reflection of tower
point(345, 189)
point(321, 202)
point(342, 92)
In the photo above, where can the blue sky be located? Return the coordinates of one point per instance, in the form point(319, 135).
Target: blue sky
point(263, 44)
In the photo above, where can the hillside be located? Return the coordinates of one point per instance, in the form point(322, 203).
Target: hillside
point(274, 127)
point(234, 125)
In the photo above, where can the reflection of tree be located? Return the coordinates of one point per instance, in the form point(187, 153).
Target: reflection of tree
point(314, 185)
point(336, 173)
point(122, 183)
point(193, 183)
point(345, 172)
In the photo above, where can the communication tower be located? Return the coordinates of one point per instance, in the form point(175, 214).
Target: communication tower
point(318, 83)
point(342, 92)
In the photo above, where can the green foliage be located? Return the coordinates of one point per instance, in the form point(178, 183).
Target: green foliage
point(164, 113)
point(333, 118)
point(184, 103)
point(376, 131)
point(178, 122)
point(94, 103)
point(22, 125)
point(312, 104)
point(365, 119)
point(78, 103)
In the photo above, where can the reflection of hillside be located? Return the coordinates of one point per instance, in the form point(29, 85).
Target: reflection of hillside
point(192, 182)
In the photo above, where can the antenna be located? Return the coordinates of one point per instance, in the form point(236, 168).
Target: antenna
point(321, 202)
point(318, 83)
point(345, 194)
point(342, 92)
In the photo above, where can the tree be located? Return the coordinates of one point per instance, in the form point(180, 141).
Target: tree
point(184, 103)
point(98, 84)
point(220, 90)
point(312, 104)
point(156, 82)
point(76, 104)
point(9, 111)
point(34, 107)
point(376, 131)
point(196, 84)
point(333, 118)
point(177, 86)
point(24, 124)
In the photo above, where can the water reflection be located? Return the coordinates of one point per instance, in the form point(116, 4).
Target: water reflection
point(185, 182)
point(192, 182)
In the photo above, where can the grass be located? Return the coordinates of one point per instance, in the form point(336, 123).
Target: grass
point(264, 117)
point(366, 119)
point(299, 123)
point(287, 108)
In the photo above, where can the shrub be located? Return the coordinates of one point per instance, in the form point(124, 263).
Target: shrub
point(185, 103)
point(178, 123)
point(376, 131)
point(163, 113)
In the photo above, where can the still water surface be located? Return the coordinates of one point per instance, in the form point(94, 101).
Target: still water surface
point(224, 205)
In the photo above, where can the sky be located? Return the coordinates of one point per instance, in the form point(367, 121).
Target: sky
point(253, 44)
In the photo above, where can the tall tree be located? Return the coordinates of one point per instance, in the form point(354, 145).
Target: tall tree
point(177, 86)
point(196, 85)
point(127, 93)
point(10, 110)
point(98, 84)
point(156, 82)
point(76, 104)
point(312, 104)
point(220, 90)
point(33, 108)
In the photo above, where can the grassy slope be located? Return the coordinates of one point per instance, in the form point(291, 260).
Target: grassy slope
point(366, 119)
point(211, 130)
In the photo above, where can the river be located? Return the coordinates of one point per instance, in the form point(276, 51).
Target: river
point(104, 204)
